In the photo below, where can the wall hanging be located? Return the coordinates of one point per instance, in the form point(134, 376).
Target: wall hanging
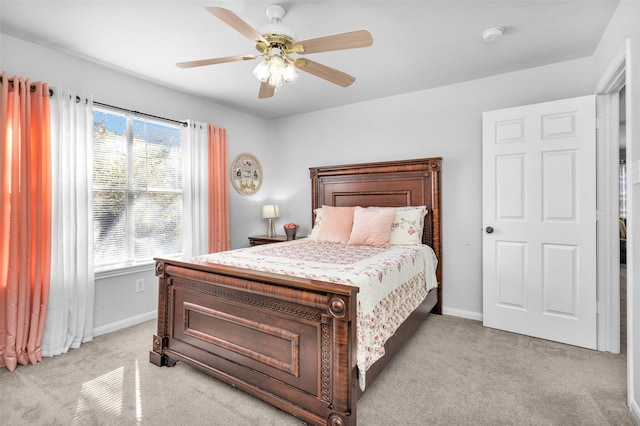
point(246, 174)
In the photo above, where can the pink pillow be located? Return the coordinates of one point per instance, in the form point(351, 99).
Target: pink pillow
point(372, 226)
point(336, 224)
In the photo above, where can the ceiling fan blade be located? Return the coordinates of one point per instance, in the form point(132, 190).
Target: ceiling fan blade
point(330, 74)
point(266, 91)
point(214, 61)
point(234, 21)
point(350, 40)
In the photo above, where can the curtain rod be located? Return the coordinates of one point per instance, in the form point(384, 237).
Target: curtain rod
point(184, 123)
point(32, 87)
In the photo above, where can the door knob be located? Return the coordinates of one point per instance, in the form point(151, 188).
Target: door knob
point(489, 230)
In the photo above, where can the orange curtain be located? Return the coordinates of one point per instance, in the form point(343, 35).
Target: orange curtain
point(219, 236)
point(25, 218)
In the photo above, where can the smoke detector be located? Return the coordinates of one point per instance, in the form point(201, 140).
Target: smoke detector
point(492, 34)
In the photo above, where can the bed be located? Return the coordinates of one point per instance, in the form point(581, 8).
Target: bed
point(292, 340)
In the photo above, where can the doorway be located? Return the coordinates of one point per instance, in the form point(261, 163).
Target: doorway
point(611, 113)
point(623, 218)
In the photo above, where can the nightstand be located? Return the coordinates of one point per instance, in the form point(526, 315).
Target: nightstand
point(263, 239)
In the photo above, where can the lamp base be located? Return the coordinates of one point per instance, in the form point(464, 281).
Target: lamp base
point(271, 229)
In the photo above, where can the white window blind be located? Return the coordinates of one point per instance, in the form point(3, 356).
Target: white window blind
point(137, 188)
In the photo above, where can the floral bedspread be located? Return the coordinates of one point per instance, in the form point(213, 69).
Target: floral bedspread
point(392, 282)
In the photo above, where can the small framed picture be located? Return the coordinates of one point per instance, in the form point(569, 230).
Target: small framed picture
point(246, 174)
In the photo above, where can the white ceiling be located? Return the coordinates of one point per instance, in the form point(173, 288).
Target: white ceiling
point(418, 44)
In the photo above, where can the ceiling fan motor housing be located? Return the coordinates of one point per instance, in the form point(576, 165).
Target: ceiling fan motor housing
point(281, 41)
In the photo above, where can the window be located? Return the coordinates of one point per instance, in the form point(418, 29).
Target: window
point(137, 188)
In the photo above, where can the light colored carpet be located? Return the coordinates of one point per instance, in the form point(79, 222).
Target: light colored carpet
point(452, 372)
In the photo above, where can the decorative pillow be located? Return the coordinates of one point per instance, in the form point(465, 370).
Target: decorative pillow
point(372, 226)
point(316, 224)
point(408, 225)
point(336, 224)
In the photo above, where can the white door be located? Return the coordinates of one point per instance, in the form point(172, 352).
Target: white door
point(539, 218)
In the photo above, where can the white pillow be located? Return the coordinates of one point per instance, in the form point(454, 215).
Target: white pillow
point(408, 225)
point(316, 224)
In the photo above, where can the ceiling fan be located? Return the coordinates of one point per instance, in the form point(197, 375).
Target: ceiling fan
point(276, 44)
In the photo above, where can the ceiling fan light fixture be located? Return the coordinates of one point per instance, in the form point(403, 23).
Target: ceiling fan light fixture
point(276, 69)
point(290, 73)
point(276, 65)
point(276, 80)
point(261, 71)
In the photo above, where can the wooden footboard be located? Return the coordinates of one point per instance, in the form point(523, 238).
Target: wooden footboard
point(288, 341)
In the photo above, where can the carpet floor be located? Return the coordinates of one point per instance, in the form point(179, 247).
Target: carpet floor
point(453, 371)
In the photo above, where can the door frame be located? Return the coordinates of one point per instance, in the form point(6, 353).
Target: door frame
point(608, 275)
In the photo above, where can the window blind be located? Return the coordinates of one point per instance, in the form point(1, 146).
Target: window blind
point(137, 188)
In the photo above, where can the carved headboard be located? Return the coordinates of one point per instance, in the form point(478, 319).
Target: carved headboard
point(385, 184)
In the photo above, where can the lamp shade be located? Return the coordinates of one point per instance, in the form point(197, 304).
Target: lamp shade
point(269, 211)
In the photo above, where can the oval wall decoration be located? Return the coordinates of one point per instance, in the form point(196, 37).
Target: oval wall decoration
point(246, 174)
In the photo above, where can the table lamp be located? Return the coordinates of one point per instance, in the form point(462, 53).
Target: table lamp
point(270, 211)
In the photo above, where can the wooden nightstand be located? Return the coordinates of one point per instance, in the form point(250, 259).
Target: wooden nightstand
point(263, 239)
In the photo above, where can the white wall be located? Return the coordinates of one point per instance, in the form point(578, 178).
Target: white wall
point(117, 303)
point(443, 122)
point(625, 25)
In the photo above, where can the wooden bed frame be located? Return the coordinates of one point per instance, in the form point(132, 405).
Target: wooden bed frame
point(292, 341)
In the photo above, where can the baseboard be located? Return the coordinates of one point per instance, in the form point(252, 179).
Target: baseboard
point(462, 314)
point(635, 412)
point(128, 322)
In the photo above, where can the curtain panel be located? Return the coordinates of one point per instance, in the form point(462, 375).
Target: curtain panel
point(194, 188)
point(205, 189)
point(25, 218)
point(219, 233)
point(69, 319)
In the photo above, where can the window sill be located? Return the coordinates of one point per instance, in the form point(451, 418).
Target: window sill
point(119, 270)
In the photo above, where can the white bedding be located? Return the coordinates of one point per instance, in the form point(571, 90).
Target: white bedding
point(392, 282)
